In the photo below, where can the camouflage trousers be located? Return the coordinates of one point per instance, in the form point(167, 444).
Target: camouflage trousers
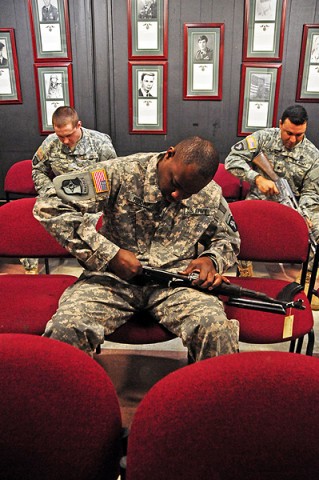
point(97, 305)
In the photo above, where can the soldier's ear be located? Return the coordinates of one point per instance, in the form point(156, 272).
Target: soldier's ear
point(170, 152)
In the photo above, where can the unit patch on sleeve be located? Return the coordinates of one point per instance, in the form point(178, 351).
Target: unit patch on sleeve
point(100, 181)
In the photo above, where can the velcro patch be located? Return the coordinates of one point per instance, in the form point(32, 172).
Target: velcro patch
point(100, 181)
point(231, 223)
point(239, 146)
point(251, 142)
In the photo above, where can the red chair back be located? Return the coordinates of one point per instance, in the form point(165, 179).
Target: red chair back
point(59, 412)
point(245, 416)
point(18, 179)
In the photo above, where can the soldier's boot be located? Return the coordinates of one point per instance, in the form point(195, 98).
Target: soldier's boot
point(31, 265)
point(245, 270)
point(314, 299)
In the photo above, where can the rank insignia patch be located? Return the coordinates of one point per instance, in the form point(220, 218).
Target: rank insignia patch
point(100, 181)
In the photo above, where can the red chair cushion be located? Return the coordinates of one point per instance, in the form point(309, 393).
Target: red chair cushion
point(29, 301)
point(244, 416)
point(59, 412)
point(264, 327)
point(141, 329)
point(229, 184)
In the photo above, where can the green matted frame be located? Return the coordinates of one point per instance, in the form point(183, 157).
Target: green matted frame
point(147, 114)
point(259, 91)
point(54, 86)
point(264, 27)
point(147, 29)
point(203, 67)
point(308, 75)
point(10, 90)
point(50, 31)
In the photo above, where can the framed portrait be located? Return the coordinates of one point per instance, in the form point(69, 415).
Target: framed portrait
point(10, 89)
point(203, 61)
point(50, 29)
point(147, 29)
point(264, 30)
point(259, 92)
point(308, 75)
point(147, 97)
point(54, 86)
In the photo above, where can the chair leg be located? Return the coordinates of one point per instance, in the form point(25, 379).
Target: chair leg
point(299, 345)
point(311, 342)
point(47, 266)
point(292, 346)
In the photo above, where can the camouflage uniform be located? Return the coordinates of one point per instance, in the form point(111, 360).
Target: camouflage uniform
point(54, 158)
point(160, 234)
point(300, 166)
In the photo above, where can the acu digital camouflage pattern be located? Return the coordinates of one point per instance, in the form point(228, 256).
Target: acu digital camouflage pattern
point(160, 234)
point(300, 167)
point(54, 158)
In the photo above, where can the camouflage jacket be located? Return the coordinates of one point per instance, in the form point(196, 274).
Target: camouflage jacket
point(137, 218)
point(54, 158)
point(299, 166)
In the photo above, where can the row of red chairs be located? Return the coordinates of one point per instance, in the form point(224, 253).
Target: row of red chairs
point(18, 182)
point(249, 416)
point(269, 232)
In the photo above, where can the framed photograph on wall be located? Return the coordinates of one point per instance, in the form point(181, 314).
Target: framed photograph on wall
point(50, 29)
point(264, 30)
point(203, 61)
point(259, 92)
point(147, 97)
point(54, 86)
point(308, 75)
point(10, 90)
point(147, 29)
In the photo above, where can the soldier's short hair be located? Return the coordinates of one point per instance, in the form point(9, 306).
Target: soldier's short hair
point(63, 115)
point(203, 37)
point(297, 114)
point(200, 151)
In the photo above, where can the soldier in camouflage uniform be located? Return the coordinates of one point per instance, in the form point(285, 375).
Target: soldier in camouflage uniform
point(70, 148)
point(158, 209)
point(291, 155)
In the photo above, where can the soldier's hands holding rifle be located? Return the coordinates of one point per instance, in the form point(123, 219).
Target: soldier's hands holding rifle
point(208, 278)
point(268, 187)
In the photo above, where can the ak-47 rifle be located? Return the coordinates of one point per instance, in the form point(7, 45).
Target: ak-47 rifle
point(286, 195)
point(237, 295)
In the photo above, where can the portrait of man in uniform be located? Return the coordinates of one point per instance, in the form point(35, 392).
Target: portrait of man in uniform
point(203, 52)
point(48, 12)
point(3, 58)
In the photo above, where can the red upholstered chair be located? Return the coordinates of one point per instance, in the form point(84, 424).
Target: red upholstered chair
point(28, 301)
point(18, 180)
point(59, 413)
point(233, 188)
point(21, 235)
point(248, 416)
point(271, 232)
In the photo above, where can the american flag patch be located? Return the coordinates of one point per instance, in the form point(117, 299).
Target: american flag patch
point(251, 142)
point(100, 180)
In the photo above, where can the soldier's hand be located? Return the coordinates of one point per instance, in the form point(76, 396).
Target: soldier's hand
point(268, 187)
point(125, 265)
point(208, 278)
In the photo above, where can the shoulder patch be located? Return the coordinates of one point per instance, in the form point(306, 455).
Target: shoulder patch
point(251, 142)
point(231, 223)
point(100, 180)
point(40, 153)
point(239, 146)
